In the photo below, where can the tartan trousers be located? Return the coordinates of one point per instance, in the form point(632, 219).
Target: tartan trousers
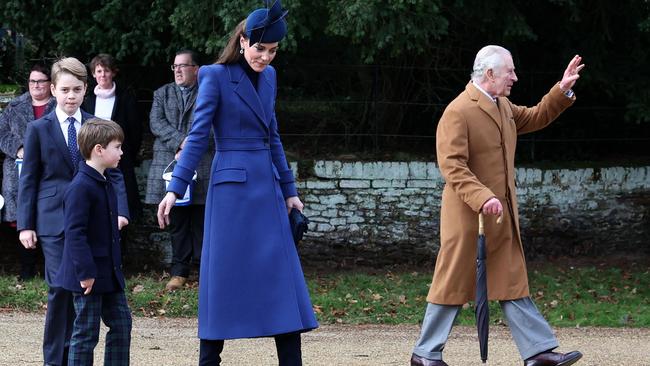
point(111, 308)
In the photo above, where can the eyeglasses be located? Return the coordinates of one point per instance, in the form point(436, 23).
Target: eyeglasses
point(38, 82)
point(182, 66)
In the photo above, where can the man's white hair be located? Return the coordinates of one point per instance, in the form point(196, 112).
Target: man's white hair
point(489, 57)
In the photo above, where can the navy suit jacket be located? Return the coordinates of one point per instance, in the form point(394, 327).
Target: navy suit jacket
point(47, 170)
point(92, 239)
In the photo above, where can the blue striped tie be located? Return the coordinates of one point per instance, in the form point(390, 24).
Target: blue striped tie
point(72, 143)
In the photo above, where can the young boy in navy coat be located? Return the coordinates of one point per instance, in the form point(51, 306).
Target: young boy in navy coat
point(91, 267)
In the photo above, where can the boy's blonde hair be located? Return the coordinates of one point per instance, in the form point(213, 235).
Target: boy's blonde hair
point(97, 131)
point(71, 66)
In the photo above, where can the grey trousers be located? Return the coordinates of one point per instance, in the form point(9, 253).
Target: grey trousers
point(529, 329)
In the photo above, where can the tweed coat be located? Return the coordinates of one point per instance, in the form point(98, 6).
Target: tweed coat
point(13, 123)
point(251, 282)
point(170, 122)
point(475, 142)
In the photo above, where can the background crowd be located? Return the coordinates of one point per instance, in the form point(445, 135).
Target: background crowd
point(110, 99)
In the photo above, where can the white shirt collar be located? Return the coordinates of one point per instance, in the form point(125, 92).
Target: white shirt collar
point(63, 117)
point(494, 99)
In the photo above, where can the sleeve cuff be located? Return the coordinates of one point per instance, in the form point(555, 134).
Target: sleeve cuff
point(288, 190)
point(286, 176)
point(181, 178)
point(481, 198)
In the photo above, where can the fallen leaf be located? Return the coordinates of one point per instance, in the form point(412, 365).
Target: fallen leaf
point(137, 289)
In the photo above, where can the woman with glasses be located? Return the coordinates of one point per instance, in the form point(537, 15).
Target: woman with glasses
point(112, 101)
point(251, 282)
point(22, 110)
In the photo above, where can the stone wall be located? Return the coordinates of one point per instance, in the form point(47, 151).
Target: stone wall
point(388, 212)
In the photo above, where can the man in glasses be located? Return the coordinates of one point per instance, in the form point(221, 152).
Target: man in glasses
point(170, 122)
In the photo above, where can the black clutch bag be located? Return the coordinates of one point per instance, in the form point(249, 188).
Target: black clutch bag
point(299, 224)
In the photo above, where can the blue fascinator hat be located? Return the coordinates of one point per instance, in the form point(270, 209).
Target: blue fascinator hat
point(267, 25)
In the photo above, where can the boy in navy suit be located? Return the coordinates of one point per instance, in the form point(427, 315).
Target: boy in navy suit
point(91, 267)
point(50, 161)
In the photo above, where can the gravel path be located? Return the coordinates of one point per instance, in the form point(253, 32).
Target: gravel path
point(173, 342)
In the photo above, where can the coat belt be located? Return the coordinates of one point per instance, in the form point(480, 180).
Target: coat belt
point(242, 143)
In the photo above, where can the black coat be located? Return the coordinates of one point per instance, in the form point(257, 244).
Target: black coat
point(125, 113)
point(92, 239)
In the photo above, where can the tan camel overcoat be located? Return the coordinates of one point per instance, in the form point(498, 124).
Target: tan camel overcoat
point(475, 143)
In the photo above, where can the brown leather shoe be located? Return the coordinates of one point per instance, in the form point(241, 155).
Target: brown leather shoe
point(554, 359)
point(421, 361)
point(175, 283)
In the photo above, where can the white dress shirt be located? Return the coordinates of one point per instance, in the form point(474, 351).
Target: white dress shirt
point(494, 99)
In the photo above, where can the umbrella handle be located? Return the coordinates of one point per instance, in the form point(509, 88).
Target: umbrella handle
point(481, 226)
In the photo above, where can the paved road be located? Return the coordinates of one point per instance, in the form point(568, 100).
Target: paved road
point(173, 342)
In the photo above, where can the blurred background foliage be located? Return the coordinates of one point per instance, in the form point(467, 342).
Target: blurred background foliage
point(373, 76)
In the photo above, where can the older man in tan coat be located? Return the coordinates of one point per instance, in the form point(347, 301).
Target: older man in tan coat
point(476, 141)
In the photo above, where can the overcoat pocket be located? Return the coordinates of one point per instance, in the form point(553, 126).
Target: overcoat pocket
point(234, 175)
point(46, 192)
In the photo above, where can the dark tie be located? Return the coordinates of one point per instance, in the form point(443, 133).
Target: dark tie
point(72, 143)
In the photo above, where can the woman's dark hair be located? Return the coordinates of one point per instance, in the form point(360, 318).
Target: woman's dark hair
point(42, 69)
point(230, 53)
point(105, 60)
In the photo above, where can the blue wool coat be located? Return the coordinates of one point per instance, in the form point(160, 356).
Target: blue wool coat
point(92, 238)
point(251, 283)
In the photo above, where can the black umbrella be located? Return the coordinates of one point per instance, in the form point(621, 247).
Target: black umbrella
point(482, 311)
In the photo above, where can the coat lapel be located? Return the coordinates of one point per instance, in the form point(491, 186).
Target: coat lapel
point(266, 94)
point(91, 100)
point(54, 129)
point(190, 101)
point(184, 107)
point(115, 104)
point(484, 102)
point(244, 89)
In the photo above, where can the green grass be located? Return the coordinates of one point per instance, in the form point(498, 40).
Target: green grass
point(583, 296)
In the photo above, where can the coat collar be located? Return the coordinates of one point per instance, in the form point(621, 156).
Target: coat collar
point(91, 99)
point(22, 106)
point(484, 102)
point(190, 101)
point(260, 101)
point(92, 173)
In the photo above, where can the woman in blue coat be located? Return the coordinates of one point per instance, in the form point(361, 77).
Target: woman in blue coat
point(251, 283)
